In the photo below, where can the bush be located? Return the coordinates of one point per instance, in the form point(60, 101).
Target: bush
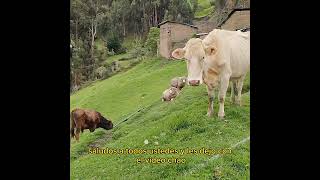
point(100, 51)
point(153, 38)
point(100, 72)
point(121, 50)
point(114, 43)
point(138, 49)
point(111, 53)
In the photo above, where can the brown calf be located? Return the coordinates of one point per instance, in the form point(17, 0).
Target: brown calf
point(82, 119)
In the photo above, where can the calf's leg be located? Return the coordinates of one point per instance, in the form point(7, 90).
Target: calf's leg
point(72, 133)
point(77, 134)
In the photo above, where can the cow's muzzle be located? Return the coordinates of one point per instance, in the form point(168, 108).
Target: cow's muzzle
point(194, 82)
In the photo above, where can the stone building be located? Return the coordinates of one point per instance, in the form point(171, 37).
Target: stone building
point(238, 18)
point(174, 35)
point(229, 15)
point(235, 14)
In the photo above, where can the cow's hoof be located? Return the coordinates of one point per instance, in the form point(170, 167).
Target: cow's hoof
point(221, 116)
point(209, 114)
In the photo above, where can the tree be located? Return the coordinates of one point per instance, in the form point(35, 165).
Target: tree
point(180, 11)
point(152, 40)
point(111, 21)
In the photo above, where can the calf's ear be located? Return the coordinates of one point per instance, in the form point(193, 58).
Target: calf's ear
point(178, 53)
point(211, 50)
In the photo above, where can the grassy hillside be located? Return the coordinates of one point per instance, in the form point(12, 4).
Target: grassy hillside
point(178, 124)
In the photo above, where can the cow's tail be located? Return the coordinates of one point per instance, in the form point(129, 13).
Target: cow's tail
point(73, 124)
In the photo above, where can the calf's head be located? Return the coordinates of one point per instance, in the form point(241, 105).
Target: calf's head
point(196, 55)
point(105, 124)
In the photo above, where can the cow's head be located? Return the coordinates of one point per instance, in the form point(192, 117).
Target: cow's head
point(105, 124)
point(195, 53)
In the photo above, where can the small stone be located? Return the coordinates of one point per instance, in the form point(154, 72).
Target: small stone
point(146, 141)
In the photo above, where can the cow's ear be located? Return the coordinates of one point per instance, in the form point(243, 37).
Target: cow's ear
point(211, 50)
point(178, 53)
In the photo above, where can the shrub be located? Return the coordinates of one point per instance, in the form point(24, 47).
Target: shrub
point(100, 51)
point(138, 49)
point(114, 43)
point(151, 43)
point(100, 72)
point(111, 53)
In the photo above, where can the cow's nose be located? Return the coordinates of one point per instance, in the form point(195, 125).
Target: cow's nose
point(194, 82)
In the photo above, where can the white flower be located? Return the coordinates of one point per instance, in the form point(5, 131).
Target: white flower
point(156, 143)
point(146, 141)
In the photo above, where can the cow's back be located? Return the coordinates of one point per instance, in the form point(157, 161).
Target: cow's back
point(240, 53)
point(93, 117)
point(233, 48)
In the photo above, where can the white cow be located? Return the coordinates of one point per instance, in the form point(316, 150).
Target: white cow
point(222, 56)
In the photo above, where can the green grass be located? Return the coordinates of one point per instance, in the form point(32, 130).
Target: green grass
point(117, 57)
point(204, 8)
point(178, 124)
point(126, 61)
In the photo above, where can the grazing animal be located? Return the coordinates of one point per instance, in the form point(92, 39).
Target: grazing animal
point(170, 94)
point(82, 119)
point(222, 56)
point(178, 82)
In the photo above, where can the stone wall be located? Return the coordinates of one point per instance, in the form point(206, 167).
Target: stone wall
point(165, 35)
point(174, 35)
point(180, 32)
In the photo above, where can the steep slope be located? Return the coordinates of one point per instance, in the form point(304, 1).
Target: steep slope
point(119, 96)
point(176, 125)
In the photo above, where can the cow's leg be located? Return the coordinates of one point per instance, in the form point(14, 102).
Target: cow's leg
point(77, 134)
point(72, 132)
point(239, 90)
point(233, 91)
point(210, 91)
point(224, 83)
